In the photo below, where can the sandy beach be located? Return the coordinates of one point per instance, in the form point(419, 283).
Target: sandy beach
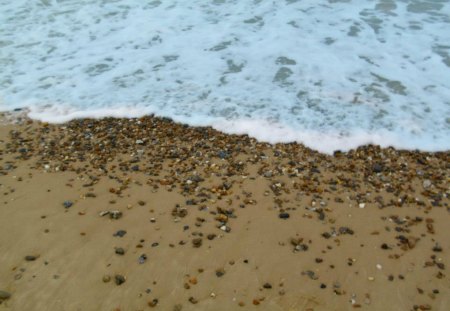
point(135, 214)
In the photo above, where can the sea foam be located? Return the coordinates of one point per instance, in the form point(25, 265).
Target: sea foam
point(330, 74)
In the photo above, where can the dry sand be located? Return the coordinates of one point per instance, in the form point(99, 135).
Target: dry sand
point(215, 222)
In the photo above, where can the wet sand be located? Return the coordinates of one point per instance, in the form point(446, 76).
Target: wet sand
point(135, 214)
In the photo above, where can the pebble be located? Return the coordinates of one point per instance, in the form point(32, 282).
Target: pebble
point(267, 286)
point(119, 279)
point(284, 215)
point(106, 279)
point(120, 251)
point(426, 183)
point(377, 168)
point(153, 303)
point(115, 214)
point(197, 242)
point(120, 233)
point(4, 295)
point(68, 204)
point(220, 272)
point(30, 258)
point(142, 258)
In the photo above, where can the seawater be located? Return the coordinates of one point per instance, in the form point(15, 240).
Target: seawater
point(330, 74)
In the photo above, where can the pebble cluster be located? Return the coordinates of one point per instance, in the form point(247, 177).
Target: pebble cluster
point(191, 160)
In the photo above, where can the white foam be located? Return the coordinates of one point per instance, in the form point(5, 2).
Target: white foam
point(330, 74)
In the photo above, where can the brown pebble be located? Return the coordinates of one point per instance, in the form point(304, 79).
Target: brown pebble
point(193, 280)
point(197, 242)
point(153, 303)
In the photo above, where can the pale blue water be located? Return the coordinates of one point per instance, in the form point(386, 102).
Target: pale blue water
point(330, 74)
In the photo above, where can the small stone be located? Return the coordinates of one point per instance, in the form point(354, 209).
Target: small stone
point(362, 205)
point(437, 248)
point(220, 272)
point(142, 258)
point(106, 279)
point(68, 204)
point(426, 183)
point(197, 242)
point(119, 279)
point(379, 267)
point(4, 295)
point(115, 214)
point(30, 258)
point(267, 286)
point(120, 251)
point(225, 228)
point(284, 215)
point(377, 168)
point(193, 280)
point(120, 233)
point(153, 303)
point(193, 300)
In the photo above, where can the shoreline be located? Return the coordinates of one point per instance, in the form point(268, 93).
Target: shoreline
point(132, 214)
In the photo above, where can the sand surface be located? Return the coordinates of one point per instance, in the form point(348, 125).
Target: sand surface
point(215, 222)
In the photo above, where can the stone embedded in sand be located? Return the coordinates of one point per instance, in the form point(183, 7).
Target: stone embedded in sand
point(4, 295)
point(193, 300)
point(31, 258)
point(345, 230)
point(119, 251)
point(120, 233)
point(67, 204)
point(197, 242)
point(267, 285)
point(284, 215)
point(142, 258)
point(115, 214)
point(119, 279)
point(153, 303)
point(106, 279)
point(437, 248)
point(220, 272)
